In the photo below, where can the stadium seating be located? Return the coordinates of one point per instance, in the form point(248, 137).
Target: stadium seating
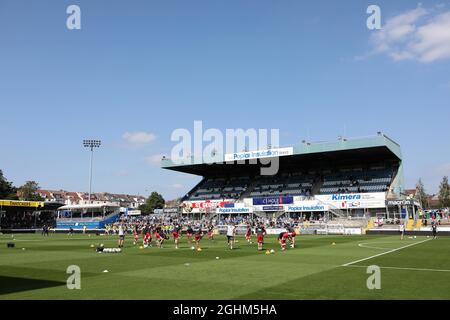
point(354, 180)
point(219, 188)
point(357, 181)
point(295, 184)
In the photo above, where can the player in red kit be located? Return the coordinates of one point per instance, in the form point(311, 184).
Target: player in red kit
point(147, 239)
point(248, 234)
point(293, 235)
point(198, 237)
point(176, 234)
point(159, 235)
point(282, 238)
point(260, 233)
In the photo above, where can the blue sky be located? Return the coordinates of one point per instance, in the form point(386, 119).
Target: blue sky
point(310, 68)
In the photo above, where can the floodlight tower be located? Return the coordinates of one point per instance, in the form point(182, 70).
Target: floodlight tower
point(91, 144)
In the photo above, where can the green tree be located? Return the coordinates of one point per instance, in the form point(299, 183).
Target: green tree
point(7, 190)
point(154, 201)
point(421, 195)
point(444, 193)
point(28, 192)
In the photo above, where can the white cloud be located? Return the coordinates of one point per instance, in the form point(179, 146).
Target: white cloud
point(154, 160)
point(177, 186)
point(420, 34)
point(139, 138)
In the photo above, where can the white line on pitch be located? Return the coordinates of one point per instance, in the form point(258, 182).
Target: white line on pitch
point(408, 269)
point(387, 252)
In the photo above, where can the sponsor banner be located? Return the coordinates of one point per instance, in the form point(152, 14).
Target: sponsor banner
point(307, 206)
point(272, 201)
point(234, 205)
point(13, 203)
point(280, 152)
point(405, 202)
point(298, 199)
point(354, 200)
point(133, 212)
point(335, 229)
point(204, 206)
point(234, 210)
point(79, 225)
point(273, 231)
point(165, 210)
point(439, 229)
point(272, 208)
point(353, 231)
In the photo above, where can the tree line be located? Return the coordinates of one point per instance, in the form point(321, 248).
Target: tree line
point(28, 192)
point(443, 194)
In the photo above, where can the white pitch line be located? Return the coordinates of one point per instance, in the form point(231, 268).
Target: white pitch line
point(387, 252)
point(364, 245)
point(407, 269)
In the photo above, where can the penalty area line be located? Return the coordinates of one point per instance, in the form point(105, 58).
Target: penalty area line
point(384, 253)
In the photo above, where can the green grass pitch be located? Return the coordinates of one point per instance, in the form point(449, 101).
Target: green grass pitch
point(316, 269)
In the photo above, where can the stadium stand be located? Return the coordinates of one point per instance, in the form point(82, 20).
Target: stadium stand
point(357, 180)
point(347, 177)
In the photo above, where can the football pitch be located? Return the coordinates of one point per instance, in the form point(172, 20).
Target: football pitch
point(410, 269)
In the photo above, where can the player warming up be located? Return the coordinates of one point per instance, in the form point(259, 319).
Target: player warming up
point(402, 230)
point(248, 234)
point(282, 238)
point(136, 233)
point(147, 238)
point(231, 233)
point(189, 234)
point(159, 236)
point(211, 232)
point(293, 235)
point(176, 234)
point(121, 235)
point(260, 233)
point(198, 238)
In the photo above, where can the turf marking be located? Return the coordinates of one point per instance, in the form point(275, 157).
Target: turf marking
point(384, 253)
point(407, 269)
point(368, 246)
point(19, 240)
